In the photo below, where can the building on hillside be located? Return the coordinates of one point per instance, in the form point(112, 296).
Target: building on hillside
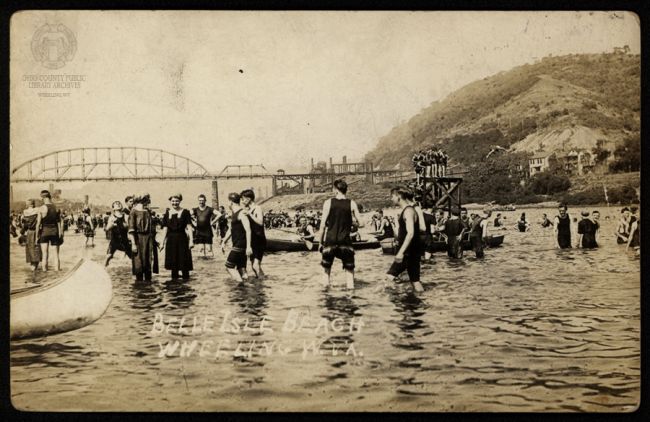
point(538, 163)
point(578, 162)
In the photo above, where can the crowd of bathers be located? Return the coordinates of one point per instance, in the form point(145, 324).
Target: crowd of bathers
point(282, 219)
point(133, 227)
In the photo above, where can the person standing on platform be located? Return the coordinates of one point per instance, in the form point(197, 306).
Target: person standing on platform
point(258, 240)
point(339, 213)
point(30, 221)
point(51, 230)
point(408, 239)
point(117, 227)
point(142, 235)
point(562, 227)
point(203, 217)
point(240, 232)
point(177, 238)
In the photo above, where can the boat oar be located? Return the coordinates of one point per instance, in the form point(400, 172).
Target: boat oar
point(308, 244)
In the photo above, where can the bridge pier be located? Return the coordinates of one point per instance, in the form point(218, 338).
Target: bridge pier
point(215, 194)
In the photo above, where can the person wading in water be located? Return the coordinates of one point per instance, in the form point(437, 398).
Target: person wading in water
point(429, 223)
point(454, 231)
point(51, 230)
point(203, 217)
point(241, 234)
point(178, 241)
point(142, 234)
point(563, 228)
point(339, 213)
point(89, 227)
point(118, 228)
point(595, 218)
point(478, 233)
point(408, 239)
point(258, 240)
point(623, 228)
point(586, 232)
point(30, 220)
point(222, 222)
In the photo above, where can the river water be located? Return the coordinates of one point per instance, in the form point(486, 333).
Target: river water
point(528, 328)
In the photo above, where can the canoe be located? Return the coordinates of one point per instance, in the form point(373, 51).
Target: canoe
point(75, 300)
point(282, 245)
point(389, 246)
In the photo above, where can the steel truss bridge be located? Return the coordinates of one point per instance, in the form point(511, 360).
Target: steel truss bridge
point(108, 163)
point(133, 163)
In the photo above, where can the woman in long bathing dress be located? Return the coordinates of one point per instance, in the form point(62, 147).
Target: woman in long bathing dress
point(177, 235)
point(117, 227)
point(31, 220)
point(142, 235)
point(89, 227)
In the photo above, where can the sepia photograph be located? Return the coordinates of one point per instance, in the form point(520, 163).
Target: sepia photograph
point(324, 211)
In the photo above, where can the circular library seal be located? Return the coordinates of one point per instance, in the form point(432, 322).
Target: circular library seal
point(53, 45)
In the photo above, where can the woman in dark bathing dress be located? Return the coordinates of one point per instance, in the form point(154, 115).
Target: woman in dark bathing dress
point(177, 229)
point(142, 235)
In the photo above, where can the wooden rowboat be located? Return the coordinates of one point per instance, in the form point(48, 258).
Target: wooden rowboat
point(77, 299)
point(282, 245)
point(389, 246)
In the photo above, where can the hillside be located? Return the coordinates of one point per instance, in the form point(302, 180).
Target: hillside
point(553, 105)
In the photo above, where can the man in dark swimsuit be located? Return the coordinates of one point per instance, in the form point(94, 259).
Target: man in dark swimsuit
point(258, 240)
point(478, 234)
point(430, 224)
point(465, 220)
point(408, 240)
point(339, 213)
point(128, 202)
point(545, 221)
point(586, 232)
point(222, 222)
point(595, 218)
point(497, 220)
point(240, 231)
point(202, 219)
point(385, 229)
point(454, 231)
point(51, 229)
point(563, 228)
point(118, 228)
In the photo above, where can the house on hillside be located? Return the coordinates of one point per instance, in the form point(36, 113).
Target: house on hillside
point(538, 163)
point(578, 161)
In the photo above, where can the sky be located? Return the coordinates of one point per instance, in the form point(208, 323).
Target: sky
point(275, 88)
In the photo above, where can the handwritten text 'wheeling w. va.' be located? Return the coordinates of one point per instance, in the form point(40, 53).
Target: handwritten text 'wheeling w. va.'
point(226, 323)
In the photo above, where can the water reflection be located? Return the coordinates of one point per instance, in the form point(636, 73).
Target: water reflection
point(527, 328)
point(179, 294)
point(250, 297)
